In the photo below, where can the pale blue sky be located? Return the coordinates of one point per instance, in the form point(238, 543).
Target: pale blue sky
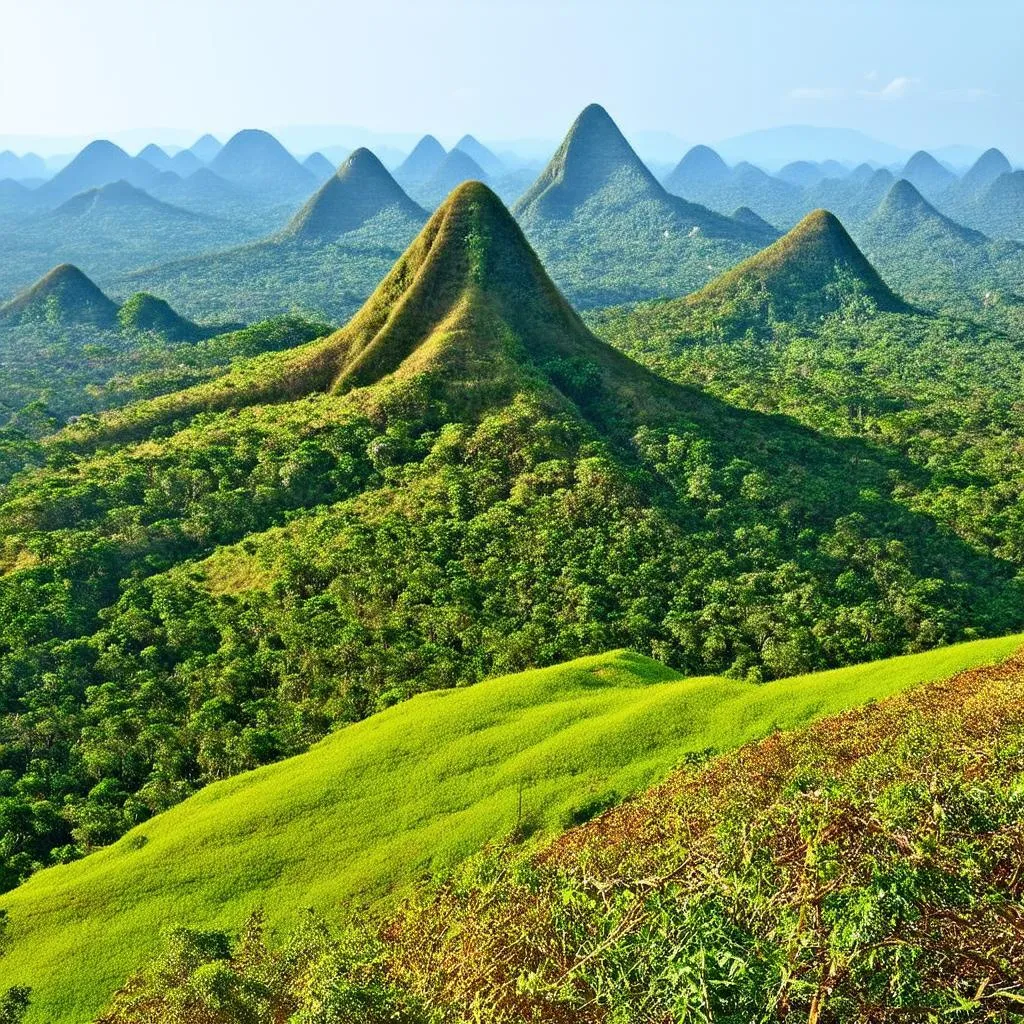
point(910, 72)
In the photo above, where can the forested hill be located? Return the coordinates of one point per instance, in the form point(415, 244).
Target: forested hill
point(461, 482)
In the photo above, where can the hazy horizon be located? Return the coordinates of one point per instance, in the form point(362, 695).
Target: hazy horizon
point(909, 74)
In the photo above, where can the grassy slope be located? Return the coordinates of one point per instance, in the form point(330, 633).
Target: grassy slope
point(410, 790)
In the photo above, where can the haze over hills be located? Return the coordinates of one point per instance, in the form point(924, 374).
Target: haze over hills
point(482, 156)
point(319, 166)
point(421, 164)
point(259, 163)
point(457, 166)
point(100, 163)
point(596, 204)
point(927, 175)
point(361, 190)
point(206, 148)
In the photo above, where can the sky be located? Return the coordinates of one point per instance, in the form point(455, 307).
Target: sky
point(908, 72)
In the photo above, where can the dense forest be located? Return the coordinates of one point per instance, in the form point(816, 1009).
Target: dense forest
point(287, 451)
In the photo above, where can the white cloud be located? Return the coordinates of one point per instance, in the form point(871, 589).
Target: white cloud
point(895, 90)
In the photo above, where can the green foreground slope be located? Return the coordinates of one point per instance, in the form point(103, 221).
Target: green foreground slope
point(411, 790)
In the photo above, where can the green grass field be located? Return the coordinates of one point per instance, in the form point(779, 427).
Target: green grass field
point(408, 791)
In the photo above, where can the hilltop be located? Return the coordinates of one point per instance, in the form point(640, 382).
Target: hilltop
point(457, 166)
point(256, 161)
point(481, 155)
point(319, 166)
point(699, 168)
point(100, 163)
point(419, 166)
point(813, 270)
point(65, 296)
point(414, 789)
point(361, 190)
point(989, 166)
point(146, 314)
point(610, 232)
point(927, 175)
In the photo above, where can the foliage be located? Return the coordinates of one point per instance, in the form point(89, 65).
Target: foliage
point(864, 867)
point(410, 791)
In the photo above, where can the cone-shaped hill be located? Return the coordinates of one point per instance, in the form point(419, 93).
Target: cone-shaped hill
point(100, 163)
point(460, 481)
point(808, 273)
point(926, 174)
point(905, 213)
point(146, 314)
point(999, 210)
point(984, 171)
point(611, 233)
point(319, 166)
point(745, 215)
point(487, 160)
point(458, 166)
point(255, 160)
point(700, 167)
point(593, 156)
point(206, 148)
point(420, 165)
point(64, 297)
point(361, 190)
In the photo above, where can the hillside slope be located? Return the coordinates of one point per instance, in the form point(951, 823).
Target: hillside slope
point(462, 482)
point(608, 231)
point(413, 789)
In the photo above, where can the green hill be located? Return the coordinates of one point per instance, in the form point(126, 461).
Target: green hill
point(457, 166)
point(65, 296)
point(413, 789)
point(864, 867)
point(256, 161)
point(927, 175)
point(462, 482)
point(939, 263)
point(609, 232)
point(810, 272)
point(361, 190)
point(146, 314)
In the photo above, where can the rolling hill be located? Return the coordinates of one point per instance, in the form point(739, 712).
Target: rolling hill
point(828, 873)
point(206, 148)
point(111, 229)
point(608, 230)
point(412, 790)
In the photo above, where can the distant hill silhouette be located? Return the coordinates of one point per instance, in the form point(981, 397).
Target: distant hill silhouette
point(458, 166)
point(700, 168)
point(989, 166)
point(361, 190)
point(490, 163)
point(319, 166)
point(255, 160)
point(926, 174)
point(100, 163)
point(421, 164)
point(206, 148)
